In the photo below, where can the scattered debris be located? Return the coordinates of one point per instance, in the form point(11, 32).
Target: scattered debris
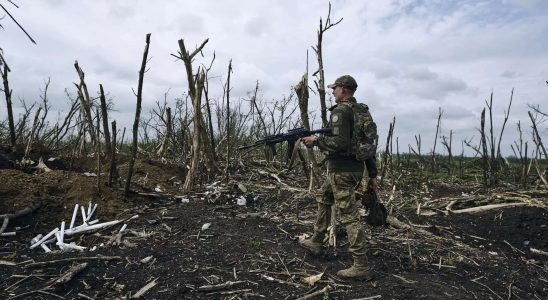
point(145, 289)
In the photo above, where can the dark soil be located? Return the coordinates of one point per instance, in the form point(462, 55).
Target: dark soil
point(466, 256)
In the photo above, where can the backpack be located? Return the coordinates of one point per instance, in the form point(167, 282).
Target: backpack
point(364, 133)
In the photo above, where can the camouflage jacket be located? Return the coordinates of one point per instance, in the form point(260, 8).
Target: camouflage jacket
point(338, 146)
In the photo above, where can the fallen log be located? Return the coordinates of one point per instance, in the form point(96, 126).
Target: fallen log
point(23, 212)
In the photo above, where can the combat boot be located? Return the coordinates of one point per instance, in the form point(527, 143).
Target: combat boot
point(313, 244)
point(358, 270)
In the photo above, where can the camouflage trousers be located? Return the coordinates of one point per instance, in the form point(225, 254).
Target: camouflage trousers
point(338, 190)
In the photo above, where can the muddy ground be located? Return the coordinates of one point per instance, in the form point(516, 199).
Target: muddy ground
point(497, 254)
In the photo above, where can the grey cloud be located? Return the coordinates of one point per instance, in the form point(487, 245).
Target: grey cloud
point(383, 69)
point(430, 85)
point(185, 24)
point(256, 27)
point(120, 11)
point(508, 74)
point(457, 112)
point(422, 74)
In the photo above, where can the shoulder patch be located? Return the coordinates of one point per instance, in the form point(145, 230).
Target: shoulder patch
point(335, 118)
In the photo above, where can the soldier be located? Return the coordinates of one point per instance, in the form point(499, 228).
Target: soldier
point(345, 173)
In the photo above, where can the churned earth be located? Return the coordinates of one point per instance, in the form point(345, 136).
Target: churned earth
point(204, 245)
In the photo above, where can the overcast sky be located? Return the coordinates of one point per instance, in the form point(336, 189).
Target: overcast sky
point(409, 57)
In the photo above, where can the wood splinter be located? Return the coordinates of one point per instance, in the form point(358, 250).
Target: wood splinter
point(68, 275)
point(218, 287)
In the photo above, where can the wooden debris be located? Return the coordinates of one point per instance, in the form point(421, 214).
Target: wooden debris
point(369, 298)
point(85, 296)
point(51, 262)
point(311, 280)
point(269, 278)
point(68, 275)
point(230, 292)
point(218, 287)
point(145, 289)
point(7, 263)
point(486, 207)
point(404, 280)
point(7, 217)
point(536, 251)
point(316, 293)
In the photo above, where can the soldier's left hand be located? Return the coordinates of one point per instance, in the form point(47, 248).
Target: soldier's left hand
point(309, 141)
point(372, 184)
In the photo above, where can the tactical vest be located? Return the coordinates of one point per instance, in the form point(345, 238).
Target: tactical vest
point(364, 132)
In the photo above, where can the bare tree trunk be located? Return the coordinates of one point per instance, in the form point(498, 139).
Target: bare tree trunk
point(30, 141)
point(259, 112)
point(209, 119)
point(85, 102)
point(506, 115)
point(7, 93)
point(493, 164)
point(537, 139)
point(167, 137)
point(227, 169)
point(387, 153)
point(448, 146)
point(104, 113)
point(113, 170)
point(195, 89)
point(196, 139)
point(301, 89)
point(485, 154)
point(320, 83)
point(398, 163)
point(137, 115)
point(98, 153)
point(122, 139)
point(433, 159)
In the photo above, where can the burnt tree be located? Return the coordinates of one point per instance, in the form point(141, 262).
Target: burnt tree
point(139, 96)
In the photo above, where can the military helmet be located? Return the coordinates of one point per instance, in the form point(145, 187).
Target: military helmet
point(345, 81)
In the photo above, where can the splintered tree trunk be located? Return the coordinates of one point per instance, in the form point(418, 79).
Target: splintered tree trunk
point(196, 138)
point(30, 141)
point(493, 164)
point(209, 120)
point(137, 115)
point(195, 89)
point(536, 135)
point(104, 114)
point(7, 93)
point(433, 164)
point(98, 153)
point(301, 89)
point(167, 136)
point(85, 102)
point(484, 153)
point(227, 169)
point(113, 170)
point(386, 155)
point(320, 83)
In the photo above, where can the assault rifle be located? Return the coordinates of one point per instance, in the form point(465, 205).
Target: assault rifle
point(291, 137)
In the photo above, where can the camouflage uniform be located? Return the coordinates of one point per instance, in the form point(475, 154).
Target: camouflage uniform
point(345, 173)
